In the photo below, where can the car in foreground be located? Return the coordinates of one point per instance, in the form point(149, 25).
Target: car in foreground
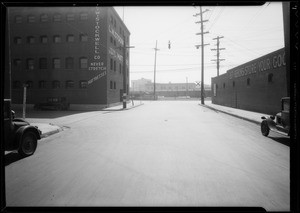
point(18, 133)
point(280, 122)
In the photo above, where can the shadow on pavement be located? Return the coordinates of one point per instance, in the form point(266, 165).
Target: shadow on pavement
point(46, 113)
point(11, 158)
point(282, 140)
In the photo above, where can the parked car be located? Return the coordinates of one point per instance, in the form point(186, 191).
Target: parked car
point(53, 103)
point(280, 122)
point(18, 133)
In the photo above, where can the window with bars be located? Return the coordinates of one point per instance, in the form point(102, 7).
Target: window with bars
point(56, 39)
point(69, 84)
point(70, 17)
point(83, 37)
point(70, 38)
point(83, 84)
point(18, 40)
point(56, 63)
point(30, 40)
point(30, 64)
point(44, 18)
point(69, 63)
point(83, 16)
point(18, 19)
point(57, 17)
point(43, 63)
point(42, 84)
point(83, 63)
point(31, 19)
point(44, 39)
point(55, 84)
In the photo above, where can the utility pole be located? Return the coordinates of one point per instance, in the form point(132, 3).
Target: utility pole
point(202, 50)
point(218, 53)
point(154, 84)
point(124, 98)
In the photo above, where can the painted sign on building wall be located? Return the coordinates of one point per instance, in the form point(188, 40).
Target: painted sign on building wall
point(264, 64)
point(97, 65)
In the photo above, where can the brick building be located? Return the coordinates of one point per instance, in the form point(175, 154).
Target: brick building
point(257, 85)
point(71, 52)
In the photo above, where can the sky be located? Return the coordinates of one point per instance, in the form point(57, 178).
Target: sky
point(248, 33)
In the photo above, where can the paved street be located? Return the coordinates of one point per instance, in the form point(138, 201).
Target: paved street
point(164, 153)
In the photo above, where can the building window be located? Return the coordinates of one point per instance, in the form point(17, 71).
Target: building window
point(248, 81)
point(233, 84)
point(44, 39)
point(44, 18)
point(56, 39)
point(82, 84)
point(83, 63)
point(111, 85)
point(69, 84)
point(56, 63)
point(120, 68)
point(18, 40)
point(223, 85)
point(17, 85)
point(29, 84)
point(17, 62)
point(55, 84)
point(83, 37)
point(70, 38)
point(270, 78)
point(83, 16)
point(111, 64)
point(70, 17)
point(57, 17)
point(69, 63)
point(43, 63)
point(42, 84)
point(31, 19)
point(30, 39)
point(30, 64)
point(18, 19)
point(115, 67)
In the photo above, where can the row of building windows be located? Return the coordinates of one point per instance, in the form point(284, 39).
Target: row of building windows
point(54, 84)
point(46, 18)
point(270, 80)
point(56, 63)
point(45, 39)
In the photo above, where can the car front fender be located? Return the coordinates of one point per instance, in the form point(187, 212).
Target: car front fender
point(271, 123)
point(20, 132)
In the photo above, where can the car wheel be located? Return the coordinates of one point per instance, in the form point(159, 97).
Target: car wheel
point(28, 144)
point(265, 130)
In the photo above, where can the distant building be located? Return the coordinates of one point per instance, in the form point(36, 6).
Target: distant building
point(257, 85)
point(139, 85)
point(168, 89)
point(71, 52)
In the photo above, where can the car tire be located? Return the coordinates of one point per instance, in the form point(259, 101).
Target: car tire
point(28, 144)
point(265, 130)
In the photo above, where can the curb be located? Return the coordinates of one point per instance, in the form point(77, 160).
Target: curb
point(234, 115)
point(47, 134)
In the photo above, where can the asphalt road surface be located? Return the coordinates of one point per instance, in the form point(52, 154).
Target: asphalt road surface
point(164, 153)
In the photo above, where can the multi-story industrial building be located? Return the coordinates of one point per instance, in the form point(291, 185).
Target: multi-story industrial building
point(257, 85)
point(71, 52)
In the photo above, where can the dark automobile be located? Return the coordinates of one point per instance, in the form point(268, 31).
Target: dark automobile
point(279, 123)
point(19, 134)
point(53, 103)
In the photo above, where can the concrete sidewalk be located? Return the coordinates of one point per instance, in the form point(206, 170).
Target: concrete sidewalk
point(48, 129)
point(254, 117)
